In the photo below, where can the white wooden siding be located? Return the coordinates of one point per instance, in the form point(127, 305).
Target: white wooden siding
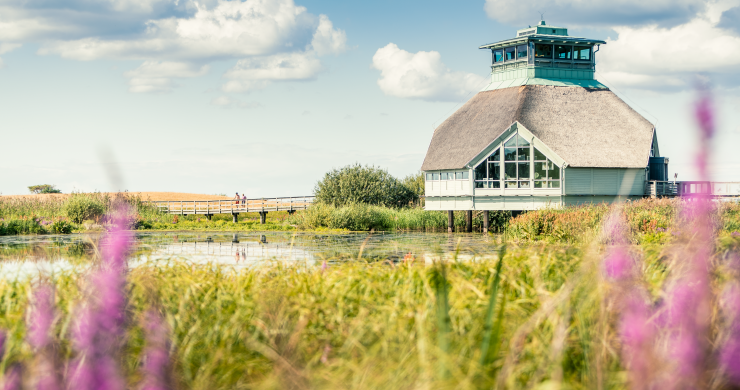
point(604, 181)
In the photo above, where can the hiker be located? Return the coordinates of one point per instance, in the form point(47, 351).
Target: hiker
point(237, 199)
point(244, 199)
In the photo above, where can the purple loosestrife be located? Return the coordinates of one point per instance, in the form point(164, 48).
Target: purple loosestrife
point(157, 359)
point(99, 329)
point(40, 326)
point(13, 378)
point(635, 330)
point(730, 351)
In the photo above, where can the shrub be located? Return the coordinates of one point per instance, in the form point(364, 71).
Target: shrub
point(80, 207)
point(415, 183)
point(355, 184)
point(61, 227)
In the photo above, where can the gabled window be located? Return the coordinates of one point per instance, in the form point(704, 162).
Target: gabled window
point(517, 164)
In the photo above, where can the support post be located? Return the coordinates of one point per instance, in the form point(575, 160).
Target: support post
point(235, 217)
point(209, 216)
point(485, 221)
point(450, 221)
point(469, 221)
point(263, 217)
point(291, 212)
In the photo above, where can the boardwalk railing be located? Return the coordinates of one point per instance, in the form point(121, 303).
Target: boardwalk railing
point(688, 188)
point(211, 207)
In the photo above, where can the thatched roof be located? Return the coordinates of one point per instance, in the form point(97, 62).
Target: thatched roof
point(585, 127)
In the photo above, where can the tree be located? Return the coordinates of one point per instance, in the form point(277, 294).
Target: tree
point(362, 184)
point(44, 189)
point(415, 183)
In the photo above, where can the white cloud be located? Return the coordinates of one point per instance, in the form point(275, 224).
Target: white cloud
point(595, 13)
point(327, 40)
point(421, 75)
point(153, 76)
point(229, 102)
point(258, 33)
point(257, 72)
point(655, 57)
point(7, 47)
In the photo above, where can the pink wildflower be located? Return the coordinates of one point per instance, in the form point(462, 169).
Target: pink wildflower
point(157, 359)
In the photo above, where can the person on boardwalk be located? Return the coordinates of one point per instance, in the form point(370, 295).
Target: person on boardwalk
point(244, 199)
point(237, 200)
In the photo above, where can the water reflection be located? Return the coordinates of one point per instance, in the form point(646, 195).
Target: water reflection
point(244, 249)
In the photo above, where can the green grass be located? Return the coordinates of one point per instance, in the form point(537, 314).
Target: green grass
point(355, 325)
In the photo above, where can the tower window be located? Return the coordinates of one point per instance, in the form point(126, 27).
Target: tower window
point(521, 51)
point(510, 51)
point(542, 51)
point(563, 52)
point(582, 53)
point(498, 55)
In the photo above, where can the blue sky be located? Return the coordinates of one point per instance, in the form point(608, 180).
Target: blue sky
point(265, 96)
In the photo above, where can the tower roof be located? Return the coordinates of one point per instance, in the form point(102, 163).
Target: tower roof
point(585, 127)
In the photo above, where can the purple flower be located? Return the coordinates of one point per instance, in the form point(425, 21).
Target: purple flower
point(12, 378)
point(41, 318)
point(735, 234)
point(730, 351)
point(617, 264)
point(99, 329)
point(157, 358)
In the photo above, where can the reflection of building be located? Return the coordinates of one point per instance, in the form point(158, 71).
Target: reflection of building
point(544, 132)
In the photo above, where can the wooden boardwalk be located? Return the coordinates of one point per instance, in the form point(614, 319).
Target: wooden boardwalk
point(234, 207)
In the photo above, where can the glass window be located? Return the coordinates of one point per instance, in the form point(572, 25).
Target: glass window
point(493, 171)
point(429, 176)
point(480, 172)
point(563, 52)
point(524, 153)
point(510, 53)
point(498, 55)
point(539, 170)
point(510, 184)
point(510, 154)
point(521, 141)
point(582, 53)
point(465, 175)
point(444, 175)
point(496, 156)
point(542, 51)
point(524, 184)
point(538, 156)
point(458, 175)
point(521, 51)
point(480, 184)
point(435, 176)
point(523, 170)
point(510, 171)
point(494, 184)
point(554, 172)
point(554, 184)
point(511, 141)
point(539, 183)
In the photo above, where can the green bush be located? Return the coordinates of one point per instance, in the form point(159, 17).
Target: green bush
point(355, 184)
point(21, 226)
point(80, 207)
point(61, 227)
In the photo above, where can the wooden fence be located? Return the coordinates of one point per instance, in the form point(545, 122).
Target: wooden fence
point(211, 207)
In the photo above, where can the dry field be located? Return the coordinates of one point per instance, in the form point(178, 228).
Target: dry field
point(153, 196)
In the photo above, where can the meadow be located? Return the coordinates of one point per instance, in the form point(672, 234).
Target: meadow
point(544, 308)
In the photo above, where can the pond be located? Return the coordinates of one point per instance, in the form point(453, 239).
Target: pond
point(24, 254)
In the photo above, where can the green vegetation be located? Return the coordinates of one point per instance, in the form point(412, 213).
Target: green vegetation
point(44, 189)
point(362, 217)
point(355, 184)
point(355, 325)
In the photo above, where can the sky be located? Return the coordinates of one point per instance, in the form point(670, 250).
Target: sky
point(264, 97)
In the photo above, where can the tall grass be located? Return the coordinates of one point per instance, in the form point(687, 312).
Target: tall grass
point(362, 217)
point(353, 325)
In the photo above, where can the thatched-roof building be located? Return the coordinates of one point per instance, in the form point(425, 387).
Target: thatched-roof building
point(543, 133)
